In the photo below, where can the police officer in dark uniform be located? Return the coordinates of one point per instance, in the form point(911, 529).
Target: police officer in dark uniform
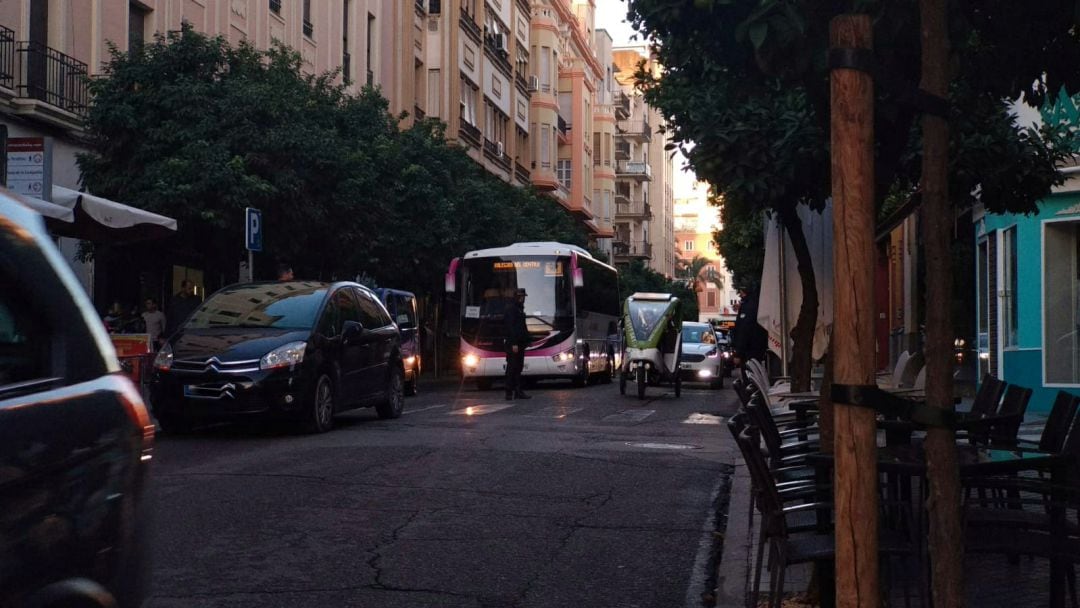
point(517, 338)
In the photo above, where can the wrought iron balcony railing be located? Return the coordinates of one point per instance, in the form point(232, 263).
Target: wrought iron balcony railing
point(633, 169)
point(53, 77)
point(7, 57)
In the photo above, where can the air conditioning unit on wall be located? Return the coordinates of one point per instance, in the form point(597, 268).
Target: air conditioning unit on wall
point(499, 149)
point(534, 83)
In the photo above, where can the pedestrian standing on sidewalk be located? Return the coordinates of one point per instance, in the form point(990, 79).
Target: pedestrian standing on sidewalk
point(749, 339)
point(183, 304)
point(284, 272)
point(517, 338)
point(155, 322)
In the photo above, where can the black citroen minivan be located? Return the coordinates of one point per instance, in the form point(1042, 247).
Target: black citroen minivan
point(300, 350)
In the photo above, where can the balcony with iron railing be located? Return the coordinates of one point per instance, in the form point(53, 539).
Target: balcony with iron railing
point(468, 24)
point(622, 151)
point(468, 133)
point(7, 57)
point(625, 248)
point(47, 75)
point(638, 129)
point(494, 152)
point(622, 105)
point(632, 209)
point(521, 173)
point(622, 197)
point(633, 169)
point(495, 49)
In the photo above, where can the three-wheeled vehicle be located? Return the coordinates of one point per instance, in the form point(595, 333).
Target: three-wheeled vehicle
point(652, 329)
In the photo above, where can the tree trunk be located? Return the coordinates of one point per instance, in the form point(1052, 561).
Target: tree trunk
point(945, 543)
point(802, 335)
point(856, 483)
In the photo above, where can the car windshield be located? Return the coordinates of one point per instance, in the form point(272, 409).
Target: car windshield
point(698, 334)
point(291, 305)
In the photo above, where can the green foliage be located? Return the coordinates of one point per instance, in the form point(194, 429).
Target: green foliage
point(746, 82)
point(196, 129)
point(637, 277)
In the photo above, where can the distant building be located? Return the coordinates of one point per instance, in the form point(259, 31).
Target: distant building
point(696, 222)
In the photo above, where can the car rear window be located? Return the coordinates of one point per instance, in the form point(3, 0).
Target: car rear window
point(23, 342)
point(292, 305)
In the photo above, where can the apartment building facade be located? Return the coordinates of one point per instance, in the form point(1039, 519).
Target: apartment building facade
point(696, 222)
point(48, 48)
point(644, 218)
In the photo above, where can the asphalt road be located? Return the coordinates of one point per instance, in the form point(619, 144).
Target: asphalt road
point(575, 498)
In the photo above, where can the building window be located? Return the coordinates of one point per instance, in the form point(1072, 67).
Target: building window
point(494, 124)
point(545, 146)
point(468, 101)
point(710, 299)
point(434, 90)
point(275, 7)
point(1009, 295)
point(688, 245)
point(565, 171)
point(136, 27)
point(369, 58)
point(309, 29)
point(1061, 302)
point(346, 58)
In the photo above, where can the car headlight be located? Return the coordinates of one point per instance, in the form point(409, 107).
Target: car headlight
point(287, 355)
point(712, 353)
point(410, 360)
point(470, 360)
point(163, 360)
point(726, 354)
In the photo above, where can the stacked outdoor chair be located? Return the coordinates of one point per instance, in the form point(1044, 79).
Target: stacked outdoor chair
point(786, 541)
point(1018, 521)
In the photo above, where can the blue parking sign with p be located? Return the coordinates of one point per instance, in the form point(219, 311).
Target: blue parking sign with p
point(253, 231)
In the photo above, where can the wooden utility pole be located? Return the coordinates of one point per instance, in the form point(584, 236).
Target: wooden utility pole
point(856, 483)
point(946, 534)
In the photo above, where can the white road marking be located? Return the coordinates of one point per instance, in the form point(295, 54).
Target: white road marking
point(629, 416)
point(554, 411)
point(480, 410)
point(423, 409)
point(699, 418)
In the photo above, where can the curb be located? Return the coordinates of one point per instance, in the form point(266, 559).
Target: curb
point(733, 572)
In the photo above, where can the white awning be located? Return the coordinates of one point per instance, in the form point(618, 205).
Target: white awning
point(45, 208)
point(110, 214)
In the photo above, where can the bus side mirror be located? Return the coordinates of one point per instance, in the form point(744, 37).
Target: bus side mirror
point(579, 278)
point(450, 280)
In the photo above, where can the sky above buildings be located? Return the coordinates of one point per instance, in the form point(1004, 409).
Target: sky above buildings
point(611, 16)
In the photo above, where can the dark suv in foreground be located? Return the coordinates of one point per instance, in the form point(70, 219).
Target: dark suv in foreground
point(298, 350)
point(75, 436)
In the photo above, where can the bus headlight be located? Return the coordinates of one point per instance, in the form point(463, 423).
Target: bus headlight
point(564, 356)
point(470, 360)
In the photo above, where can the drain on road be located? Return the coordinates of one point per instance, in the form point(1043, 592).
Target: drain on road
point(663, 446)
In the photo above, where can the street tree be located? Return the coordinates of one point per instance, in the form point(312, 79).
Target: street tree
point(194, 128)
point(745, 82)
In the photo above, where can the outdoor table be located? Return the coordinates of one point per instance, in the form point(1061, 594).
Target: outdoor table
point(975, 461)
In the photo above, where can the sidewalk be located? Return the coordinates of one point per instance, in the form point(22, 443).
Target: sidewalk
point(991, 581)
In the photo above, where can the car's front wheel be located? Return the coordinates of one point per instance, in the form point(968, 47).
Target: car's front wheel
point(394, 404)
point(321, 412)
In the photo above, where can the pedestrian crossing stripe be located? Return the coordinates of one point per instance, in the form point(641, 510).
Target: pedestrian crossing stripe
point(481, 409)
point(629, 416)
point(554, 411)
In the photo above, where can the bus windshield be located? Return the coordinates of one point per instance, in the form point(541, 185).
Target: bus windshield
point(489, 285)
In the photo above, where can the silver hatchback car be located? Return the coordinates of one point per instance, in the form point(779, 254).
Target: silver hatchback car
point(700, 359)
